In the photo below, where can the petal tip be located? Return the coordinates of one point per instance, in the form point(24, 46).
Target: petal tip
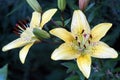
point(22, 61)
point(53, 58)
point(115, 55)
point(109, 24)
point(4, 49)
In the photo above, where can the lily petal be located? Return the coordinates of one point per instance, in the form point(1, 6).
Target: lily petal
point(24, 51)
point(62, 34)
point(35, 21)
point(102, 50)
point(14, 44)
point(47, 16)
point(99, 31)
point(84, 64)
point(65, 52)
point(79, 23)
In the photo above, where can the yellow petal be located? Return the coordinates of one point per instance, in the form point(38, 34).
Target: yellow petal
point(24, 51)
point(65, 52)
point(62, 34)
point(79, 23)
point(99, 31)
point(35, 21)
point(47, 16)
point(14, 44)
point(84, 64)
point(102, 50)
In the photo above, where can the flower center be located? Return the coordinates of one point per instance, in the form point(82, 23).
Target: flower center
point(21, 27)
point(25, 31)
point(82, 41)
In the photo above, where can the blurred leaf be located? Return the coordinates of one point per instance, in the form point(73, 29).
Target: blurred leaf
point(73, 77)
point(67, 21)
point(58, 22)
point(90, 6)
point(3, 72)
point(16, 8)
point(71, 66)
point(72, 5)
point(91, 16)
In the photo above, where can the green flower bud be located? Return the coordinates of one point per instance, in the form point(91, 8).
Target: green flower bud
point(35, 5)
point(62, 4)
point(41, 34)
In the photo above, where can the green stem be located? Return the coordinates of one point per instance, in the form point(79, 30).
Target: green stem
point(62, 18)
point(54, 23)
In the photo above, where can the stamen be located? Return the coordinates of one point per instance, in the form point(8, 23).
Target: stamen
point(89, 41)
point(76, 38)
point(84, 46)
point(79, 43)
point(90, 36)
point(22, 24)
point(20, 27)
point(82, 31)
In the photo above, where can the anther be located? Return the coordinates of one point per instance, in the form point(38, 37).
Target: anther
point(90, 36)
point(76, 38)
point(84, 46)
point(82, 31)
point(79, 43)
point(89, 41)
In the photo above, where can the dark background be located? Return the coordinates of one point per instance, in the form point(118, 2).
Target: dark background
point(38, 65)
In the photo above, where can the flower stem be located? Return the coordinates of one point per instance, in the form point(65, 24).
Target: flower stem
point(54, 23)
point(62, 18)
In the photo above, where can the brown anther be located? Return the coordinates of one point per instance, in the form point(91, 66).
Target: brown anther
point(82, 31)
point(89, 41)
point(79, 43)
point(84, 46)
point(76, 38)
point(90, 36)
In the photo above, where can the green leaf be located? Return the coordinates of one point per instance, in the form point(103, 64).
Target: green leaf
point(71, 66)
point(91, 16)
point(67, 21)
point(58, 22)
point(73, 77)
point(15, 9)
point(72, 5)
point(3, 72)
point(90, 6)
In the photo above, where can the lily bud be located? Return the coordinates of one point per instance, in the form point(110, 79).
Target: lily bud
point(62, 4)
point(35, 5)
point(41, 34)
point(83, 4)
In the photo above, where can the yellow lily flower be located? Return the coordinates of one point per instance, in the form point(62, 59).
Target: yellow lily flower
point(82, 43)
point(27, 38)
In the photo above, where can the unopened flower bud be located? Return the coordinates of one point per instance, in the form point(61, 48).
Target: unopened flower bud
point(62, 4)
point(41, 34)
point(35, 5)
point(83, 4)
